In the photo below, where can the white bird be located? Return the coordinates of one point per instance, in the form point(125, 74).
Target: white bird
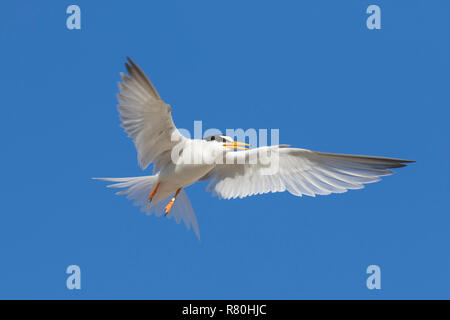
point(147, 120)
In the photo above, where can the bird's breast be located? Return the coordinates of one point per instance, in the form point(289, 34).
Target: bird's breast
point(183, 175)
point(191, 163)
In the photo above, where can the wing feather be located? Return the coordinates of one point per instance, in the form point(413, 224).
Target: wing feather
point(145, 117)
point(299, 171)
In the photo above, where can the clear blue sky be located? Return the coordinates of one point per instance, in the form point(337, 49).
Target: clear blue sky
point(310, 68)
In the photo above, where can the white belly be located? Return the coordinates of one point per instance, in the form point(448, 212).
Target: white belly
point(173, 177)
point(195, 161)
point(182, 175)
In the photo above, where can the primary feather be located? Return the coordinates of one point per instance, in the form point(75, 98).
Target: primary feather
point(299, 171)
point(145, 117)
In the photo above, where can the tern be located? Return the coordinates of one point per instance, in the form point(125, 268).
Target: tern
point(231, 167)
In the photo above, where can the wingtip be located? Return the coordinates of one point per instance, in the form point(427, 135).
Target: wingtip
point(130, 62)
point(403, 163)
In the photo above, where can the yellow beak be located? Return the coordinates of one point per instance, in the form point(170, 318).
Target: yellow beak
point(236, 145)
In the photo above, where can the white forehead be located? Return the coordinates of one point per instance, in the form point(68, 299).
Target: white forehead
point(227, 138)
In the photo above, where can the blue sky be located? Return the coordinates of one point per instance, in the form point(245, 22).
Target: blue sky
point(311, 69)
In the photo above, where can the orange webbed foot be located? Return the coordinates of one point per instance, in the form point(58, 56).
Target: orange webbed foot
point(169, 206)
point(172, 201)
point(152, 194)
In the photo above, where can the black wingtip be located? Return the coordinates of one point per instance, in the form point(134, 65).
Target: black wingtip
point(136, 72)
point(403, 163)
point(400, 163)
point(129, 64)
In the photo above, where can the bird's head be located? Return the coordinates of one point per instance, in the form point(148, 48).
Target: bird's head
point(227, 142)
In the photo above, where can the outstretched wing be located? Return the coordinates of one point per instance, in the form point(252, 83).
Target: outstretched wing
point(145, 117)
point(299, 171)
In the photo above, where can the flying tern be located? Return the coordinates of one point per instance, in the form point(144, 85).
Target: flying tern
point(232, 168)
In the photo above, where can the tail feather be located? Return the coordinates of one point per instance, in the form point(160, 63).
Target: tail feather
point(181, 210)
point(138, 189)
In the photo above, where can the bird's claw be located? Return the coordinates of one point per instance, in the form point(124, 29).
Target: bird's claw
point(168, 207)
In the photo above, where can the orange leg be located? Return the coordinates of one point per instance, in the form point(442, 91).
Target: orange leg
point(150, 197)
point(172, 201)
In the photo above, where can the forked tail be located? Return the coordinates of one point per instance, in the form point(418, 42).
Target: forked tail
point(138, 190)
